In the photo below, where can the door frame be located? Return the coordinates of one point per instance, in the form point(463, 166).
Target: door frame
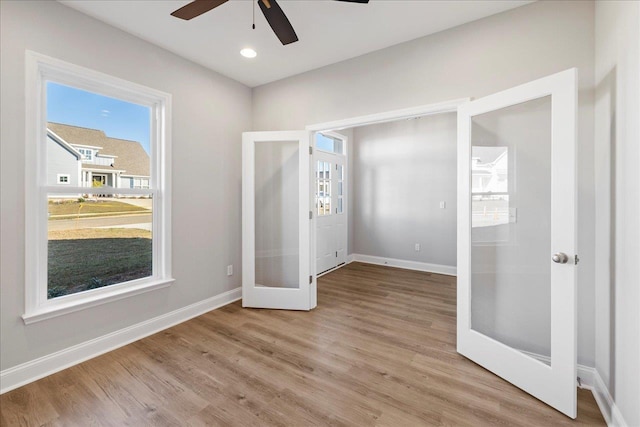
point(345, 155)
point(450, 106)
point(103, 177)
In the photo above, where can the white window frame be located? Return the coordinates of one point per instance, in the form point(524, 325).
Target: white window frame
point(63, 175)
point(86, 152)
point(39, 70)
point(511, 239)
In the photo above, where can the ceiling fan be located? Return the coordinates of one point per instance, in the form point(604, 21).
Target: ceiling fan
point(270, 9)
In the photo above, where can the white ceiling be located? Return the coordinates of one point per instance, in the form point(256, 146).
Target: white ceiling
point(329, 31)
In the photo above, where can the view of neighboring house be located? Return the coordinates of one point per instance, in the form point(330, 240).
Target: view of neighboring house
point(489, 170)
point(82, 157)
point(489, 188)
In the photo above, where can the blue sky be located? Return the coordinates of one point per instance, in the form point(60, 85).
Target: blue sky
point(118, 119)
point(324, 143)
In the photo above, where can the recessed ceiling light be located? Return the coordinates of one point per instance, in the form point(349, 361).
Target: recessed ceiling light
point(248, 53)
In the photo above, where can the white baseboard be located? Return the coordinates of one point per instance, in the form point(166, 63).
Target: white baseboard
point(337, 267)
point(400, 263)
point(590, 379)
point(607, 405)
point(585, 373)
point(33, 370)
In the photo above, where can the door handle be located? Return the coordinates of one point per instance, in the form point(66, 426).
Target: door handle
point(560, 258)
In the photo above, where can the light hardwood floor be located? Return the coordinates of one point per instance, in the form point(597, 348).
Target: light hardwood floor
point(378, 350)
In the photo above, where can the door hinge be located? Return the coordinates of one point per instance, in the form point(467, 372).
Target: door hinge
point(576, 260)
point(336, 254)
point(310, 150)
point(310, 214)
point(310, 279)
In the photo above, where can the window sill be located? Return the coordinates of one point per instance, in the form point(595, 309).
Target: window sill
point(51, 311)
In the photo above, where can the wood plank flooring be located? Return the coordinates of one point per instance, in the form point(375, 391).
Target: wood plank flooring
point(378, 351)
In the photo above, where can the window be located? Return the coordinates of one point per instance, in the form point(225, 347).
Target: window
point(140, 183)
point(340, 178)
point(97, 260)
point(490, 210)
point(329, 178)
point(329, 143)
point(323, 188)
point(87, 153)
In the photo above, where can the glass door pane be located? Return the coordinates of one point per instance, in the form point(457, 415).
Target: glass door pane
point(511, 226)
point(277, 214)
point(323, 188)
point(340, 181)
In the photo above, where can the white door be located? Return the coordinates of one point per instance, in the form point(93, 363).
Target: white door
point(276, 221)
point(516, 236)
point(330, 204)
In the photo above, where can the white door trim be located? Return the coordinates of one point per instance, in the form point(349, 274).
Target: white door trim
point(343, 157)
point(450, 106)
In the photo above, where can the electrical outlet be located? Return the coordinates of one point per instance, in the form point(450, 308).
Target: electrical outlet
point(417, 247)
point(230, 270)
point(443, 205)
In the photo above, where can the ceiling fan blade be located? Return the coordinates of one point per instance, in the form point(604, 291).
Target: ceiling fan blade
point(196, 8)
point(279, 22)
point(355, 1)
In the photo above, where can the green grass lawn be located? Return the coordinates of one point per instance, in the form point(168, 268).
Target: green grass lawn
point(91, 258)
point(73, 207)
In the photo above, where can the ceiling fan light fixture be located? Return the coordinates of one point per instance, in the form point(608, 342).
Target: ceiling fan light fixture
point(248, 53)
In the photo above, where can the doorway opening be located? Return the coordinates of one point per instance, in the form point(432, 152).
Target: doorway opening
point(515, 195)
point(331, 207)
point(335, 232)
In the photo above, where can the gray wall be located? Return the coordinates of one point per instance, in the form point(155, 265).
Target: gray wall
point(209, 114)
point(403, 170)
point(617, 231)
point(61, 161)
point(471, 60)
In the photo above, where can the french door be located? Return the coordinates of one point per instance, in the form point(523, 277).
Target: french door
point(276, 221)
point(330, 208)
point(516, 236)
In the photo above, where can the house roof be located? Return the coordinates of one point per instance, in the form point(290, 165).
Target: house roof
point(64, 144)
point(131, 157)
point(488, 154)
